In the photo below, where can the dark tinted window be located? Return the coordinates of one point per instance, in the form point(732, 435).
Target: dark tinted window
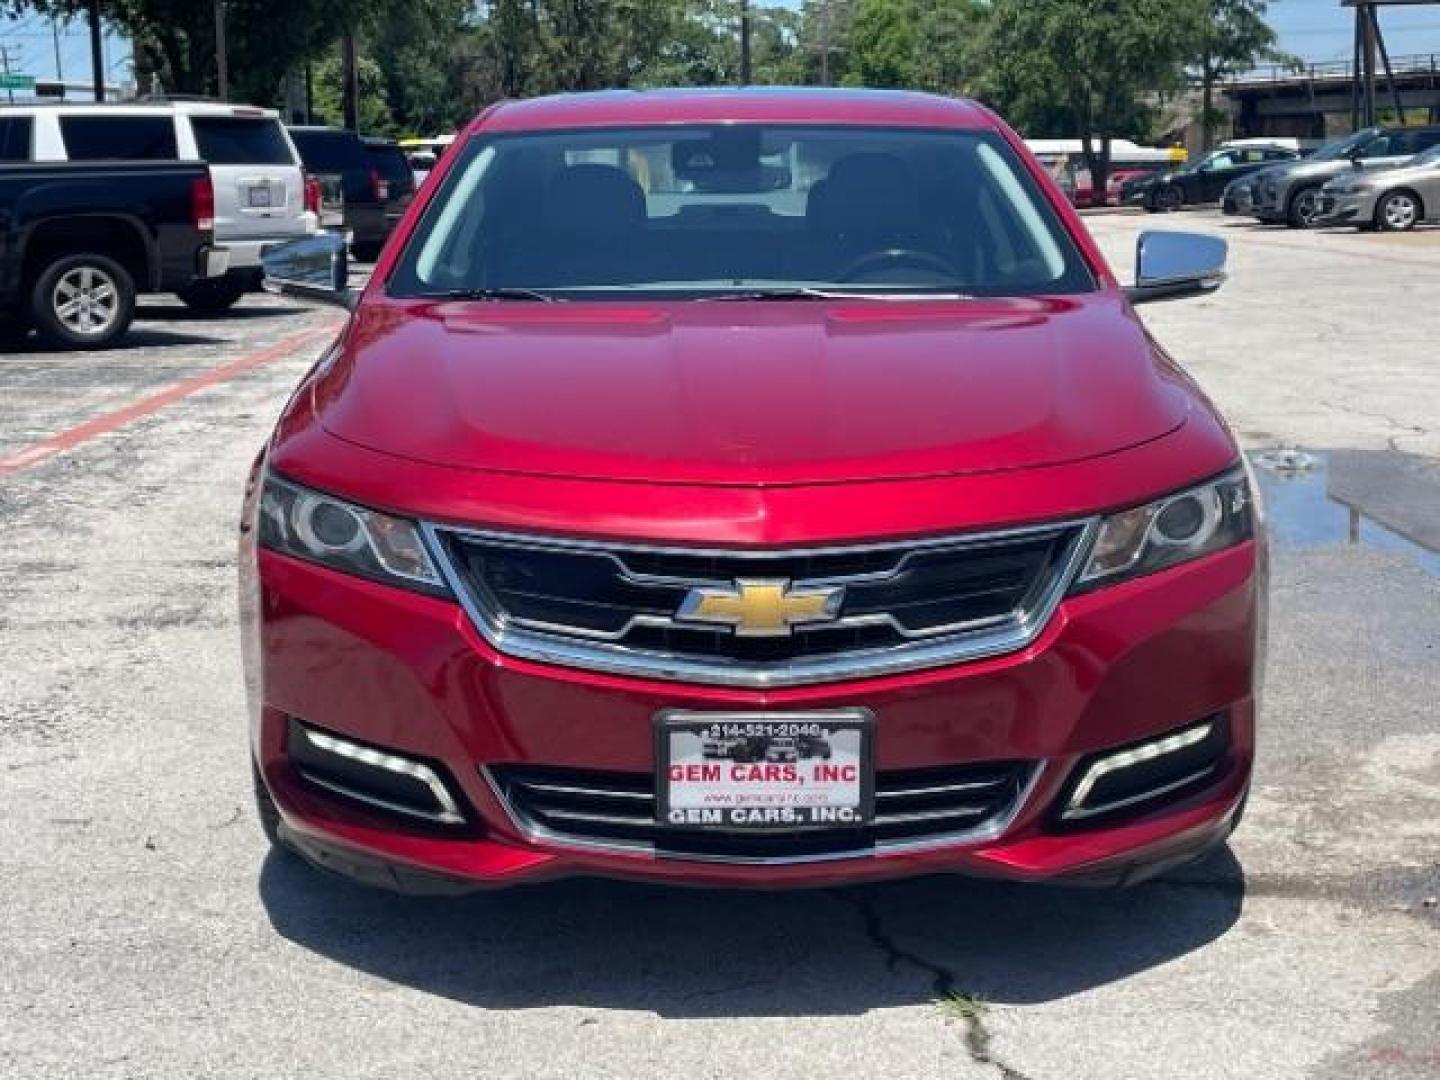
point(14, 138)
point(329, 151)
point(1389, 145)
point(118, 138)
point(390, 163)
point(233, 140)
point(1417, 141)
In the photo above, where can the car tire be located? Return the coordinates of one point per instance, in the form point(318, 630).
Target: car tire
point(1169, 199)
point(1398, 211)
point(82, 301)
point(212, 297)
point(1301, 210)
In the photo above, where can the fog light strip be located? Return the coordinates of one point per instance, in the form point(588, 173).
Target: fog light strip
point(449, 811)
point(1125, 759)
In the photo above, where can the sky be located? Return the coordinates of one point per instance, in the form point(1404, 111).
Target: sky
point(1323, 30)
point(30, 42)
point(1314, 30)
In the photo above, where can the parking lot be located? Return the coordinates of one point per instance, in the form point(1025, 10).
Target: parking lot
point(148, 933)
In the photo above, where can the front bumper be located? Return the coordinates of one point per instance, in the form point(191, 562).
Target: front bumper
point(1352, 209)
point(407, 672)
point(1268, 206)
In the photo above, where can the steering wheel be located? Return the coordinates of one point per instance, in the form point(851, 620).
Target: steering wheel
point(899, 256)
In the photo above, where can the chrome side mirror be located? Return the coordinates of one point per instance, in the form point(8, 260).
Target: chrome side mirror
point(1172, 265)
point(313, 268)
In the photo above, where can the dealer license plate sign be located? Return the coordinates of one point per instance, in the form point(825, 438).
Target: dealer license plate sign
point(772, 772)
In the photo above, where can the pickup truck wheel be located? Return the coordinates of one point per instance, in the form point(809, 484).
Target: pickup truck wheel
point(82, 301)
point(213, 297)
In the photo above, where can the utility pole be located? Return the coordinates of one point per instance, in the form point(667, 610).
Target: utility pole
point(59, 67)
point(1368, 30)
point(97, 57)
point(349, 82)
point(744, 42)
point(825, 28)
point(222, 61)
point(5, 66)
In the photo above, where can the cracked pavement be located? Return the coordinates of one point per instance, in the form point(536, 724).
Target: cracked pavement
point(147, 932)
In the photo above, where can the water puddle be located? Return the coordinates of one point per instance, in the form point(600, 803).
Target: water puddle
point(1368, 498)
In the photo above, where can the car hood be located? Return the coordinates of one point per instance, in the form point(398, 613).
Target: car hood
point(750, 392)
point(1313, 170)
point(1386, 175)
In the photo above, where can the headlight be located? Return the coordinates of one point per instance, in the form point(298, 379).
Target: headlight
point(323, 529)
point(1175, 529)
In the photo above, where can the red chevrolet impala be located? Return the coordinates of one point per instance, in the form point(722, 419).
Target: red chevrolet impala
point(759, 488)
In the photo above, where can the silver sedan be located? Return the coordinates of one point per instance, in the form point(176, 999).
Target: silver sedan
point(1395, 199)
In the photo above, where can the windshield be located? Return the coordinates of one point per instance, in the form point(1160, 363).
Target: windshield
point(1195, 166)
point(696, 210)
point(1341, 148)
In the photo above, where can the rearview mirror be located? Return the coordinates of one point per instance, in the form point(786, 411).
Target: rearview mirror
point(1172, 265)
point(313, 268)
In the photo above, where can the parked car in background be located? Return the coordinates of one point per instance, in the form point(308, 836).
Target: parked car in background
point(1290, 194)
point(1202, 180)
point(388, 159)
point(260, 193)
point(1395, 200)
point(422, 154)
point(571, 487)
point(335, 152)
point(1084, 193)
point(1239, 195)
point(79, 240)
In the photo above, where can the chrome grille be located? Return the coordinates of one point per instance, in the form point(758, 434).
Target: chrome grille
point(904, 605)
point(616, 810)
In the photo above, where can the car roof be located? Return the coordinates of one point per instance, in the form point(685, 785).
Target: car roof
point(146, 108)
point(607, 108)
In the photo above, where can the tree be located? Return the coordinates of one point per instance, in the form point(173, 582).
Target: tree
point(1231, 40)
point(1101, 60)
point(912, 44)
point(884, 44)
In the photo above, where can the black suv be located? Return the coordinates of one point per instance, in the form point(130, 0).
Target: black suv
point(1202, 180)
point(390, 162)
point(336, 153)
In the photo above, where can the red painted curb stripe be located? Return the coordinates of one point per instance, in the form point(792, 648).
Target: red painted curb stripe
point(108, 422)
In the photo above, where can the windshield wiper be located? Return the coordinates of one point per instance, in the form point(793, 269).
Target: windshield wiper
point(500, 292)
point(798, 292)
point(804, 292)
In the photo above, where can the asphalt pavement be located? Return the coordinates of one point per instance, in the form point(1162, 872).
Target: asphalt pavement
point(147, 932)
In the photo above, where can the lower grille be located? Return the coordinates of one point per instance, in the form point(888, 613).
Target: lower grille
point(917, 807)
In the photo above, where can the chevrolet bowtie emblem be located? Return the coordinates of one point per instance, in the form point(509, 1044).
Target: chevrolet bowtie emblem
point(762, 607)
